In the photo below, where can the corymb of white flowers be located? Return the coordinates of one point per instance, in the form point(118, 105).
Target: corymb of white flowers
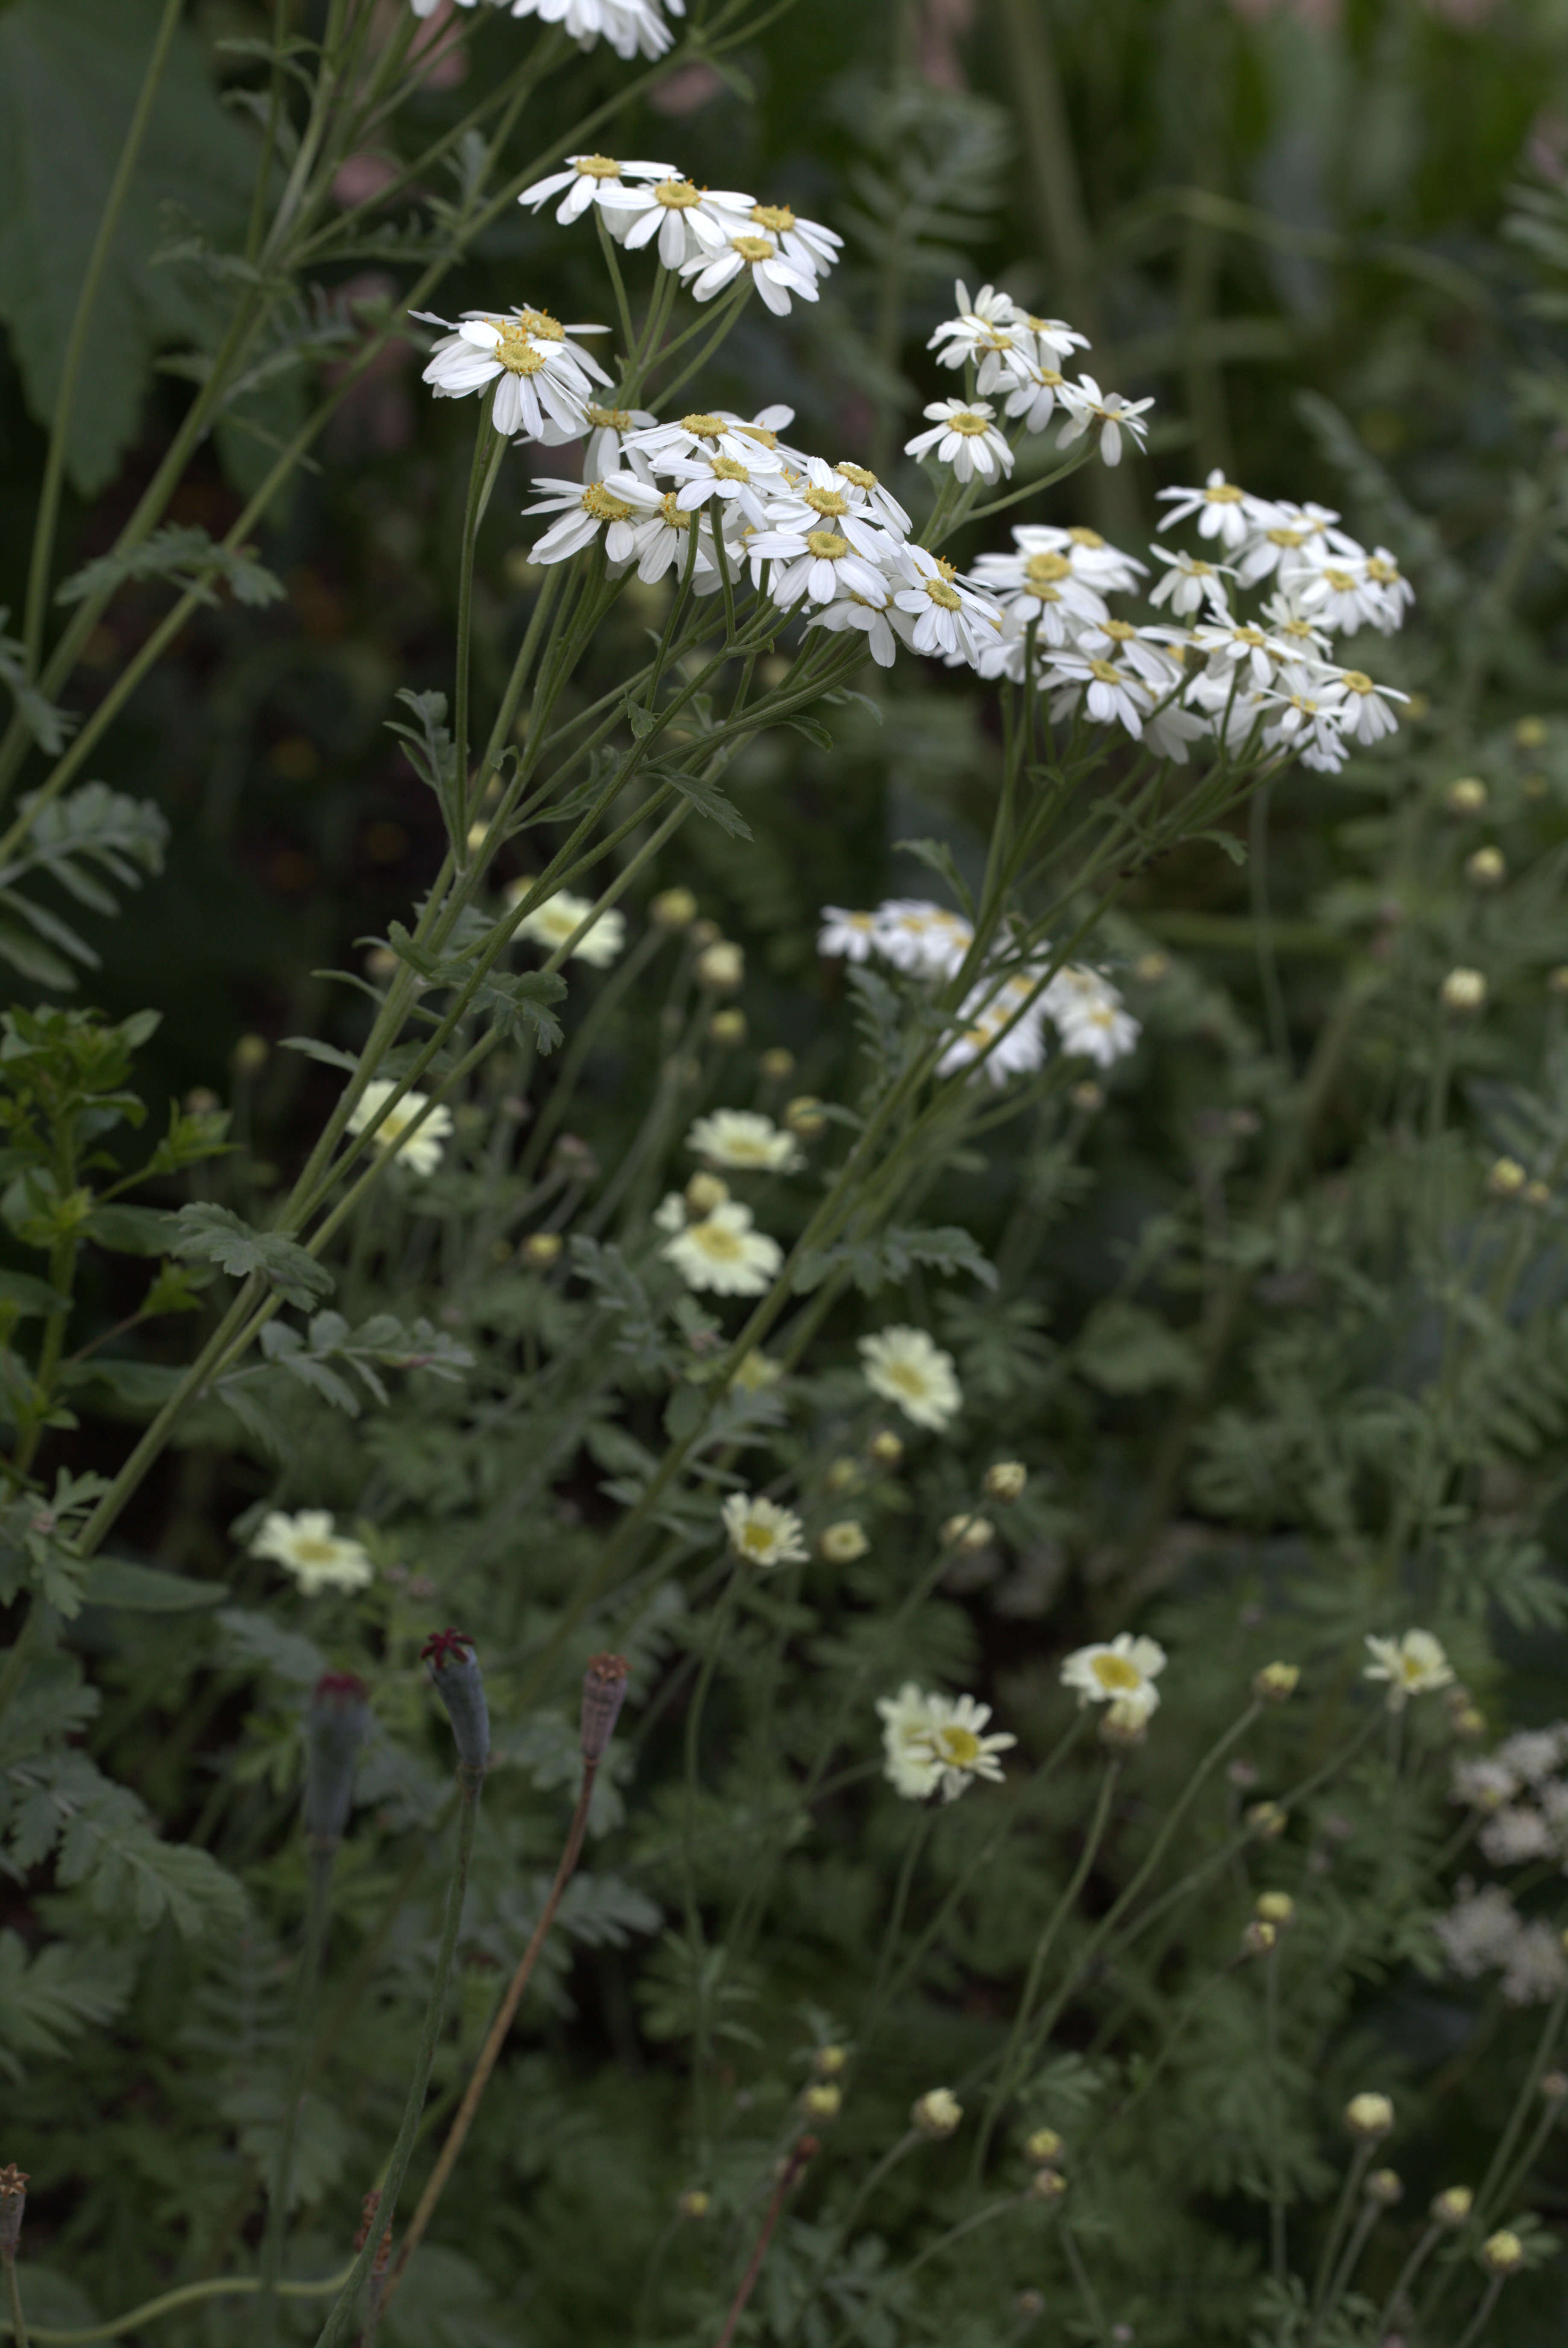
point(306, 1545)
point(934, 1744)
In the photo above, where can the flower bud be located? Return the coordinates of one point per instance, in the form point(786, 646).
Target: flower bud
point(1275, 1908)
point(1088, 1097)
point(1276, 1683)
point(1006, 1479)
point(829, 2061)
point(1463, 990)
point(887, 1449)
point(1047, 2185)
point(1124, 1725)
point(840, 1544)
point(1470, 1724)
point(1530, 732)
point(1043, 2149)
point(776, 1065)
point(574, 1160)
point(1266, 1820)
point(1557, 978)
point(1452, 2207)
point(1259, 1937)
point(842, 1475)
point(937, 2113)
point(1537, 1193)
point(822, 2100)
point(13, 2202)
point(448, 1656)
point(604, 1694)
point(250, 1055)
point(1029, 2304)
point(721, 966)
point(672, 908)
point(1466, 795)
point(1384, 2187)
point(803, 1116)
point(336, 1722)
point(693, 2203)
point(1506, 1178)
point(1554, 2085)
point(541, 1250)
point(1369, 2116)
point(728, 1027)
point(968, 1533)
point(704, 1192)
point(1151, 968)
point(1486, 868)
point(706, 933)
point(1503, 2253)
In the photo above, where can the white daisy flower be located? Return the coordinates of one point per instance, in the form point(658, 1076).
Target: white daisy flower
point(1397, 594)
point(306, 1545)
point(1115, 694)
point(821, 497)
point(559, 917)
point(775, 277)
point(1034, 391)
point(1283, 617)
point(421, 1151)
point(664, 532)
point(631, 28)
point(1309, 702)
point(584, 179)
point(609, 430)
point(940, 611)
point(1087, 1013)
point(1045, 591)
point(686, 221)
point(1412, 1664)
point(1189, 584)
point(961, 1751)
point(722, 1252)
point(738, 488)
point(1284, 532)
point(905, 1366)
point(818, 566)
point(762, 1533)
point(964, 435)
point(585, 508)
point(923, 939)
point(908, 1721)
point(1223, 510)
point(1335, 591)
point(1001, 1031)
point(806, 245)
point(1107, 412)
point(1121, 1672)
point(1228, 644)
point(745, 1141)
point(989, 345)
point(715, 433)
point(872, 615)
point(1364, 714)
point(542, 377)
point(1094, 560)
point(849, 936)
point(864, 490)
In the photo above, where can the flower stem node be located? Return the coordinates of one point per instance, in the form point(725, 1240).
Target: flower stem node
point(1369, 2116)
point(1452, 2208)
point(672, 908)
point(1276, 1683)
point(1006, 1479)
point(1258, 1937)
point(1047, 2185)
point(1503, 2253)
point(936, 2113)
point(886, 1449)
point(693, 2203)
point(1275, 1908)
point(822, 2100)
point(13, 2202)
point(1463, 991)
point(604, 1694)
point(1384, 2187)
point(1466, 795)
point(1043, 2149)
point(336, 1722)
point(1266, 1820)
point(541, 1250)
point(448, 1656)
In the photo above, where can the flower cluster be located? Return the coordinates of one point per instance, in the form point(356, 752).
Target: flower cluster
point(1016, 355)
point(633, 28)
point(1000, 1023)
point(1484, 1931)
point(711, 237)
point(937, 1744)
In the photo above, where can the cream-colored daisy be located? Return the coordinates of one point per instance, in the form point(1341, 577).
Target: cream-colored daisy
point(962, 1752)
point(842, 1543)
point(306, 1545)
point(745, 1140)
point(721, 1251)
point(561, 916)
point(421, 1151)
point(908, 1719)
point(906, 1367)
point(1122, 1673)
point(1412, 1665)
point(762, 1532)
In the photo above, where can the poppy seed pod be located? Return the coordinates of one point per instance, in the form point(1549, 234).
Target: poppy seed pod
point(336, 1722)
point(448, 1656)
point(604, 1694)
point(13, 2202)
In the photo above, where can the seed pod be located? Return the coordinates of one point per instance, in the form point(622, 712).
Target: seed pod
point(449, 1658)
point(13, 2202)
point(604, 1694)
point(336, 1722)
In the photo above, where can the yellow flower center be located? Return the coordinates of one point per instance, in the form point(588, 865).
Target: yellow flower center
point(960, 1747)
point(945, 598)
point(313, 1550)
point(760, 433)
point(516, 354)
point(1106, 673)
point(907, 1378)
point(1120, 630)
point(1286, 537)
point(726, 468)
point(1116, 1672)
point(1249, 635)
point(778, 217)
point(1044, 569)
point(672, 513)
point(1384, 573)
point(826, 544)
point(966, 422)
point(754, 248)
point(597, 167)
point(1356, 680)
point(826, 501)
point(1341, 580)
point(717, 1241)
point(677, 195)
point(756, 1540)
point(598, 501)
point(1082, 536)
point(1223, 493)
point(857, 476)
point(607, 420)
point(948, 570)
point(540, 323)
point(702, 427)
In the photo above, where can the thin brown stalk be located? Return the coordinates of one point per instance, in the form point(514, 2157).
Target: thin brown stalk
point(790, 2171)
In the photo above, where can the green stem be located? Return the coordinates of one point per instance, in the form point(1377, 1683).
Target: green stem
point(318, 1900)
point(13, 2291)
point(170, 2302)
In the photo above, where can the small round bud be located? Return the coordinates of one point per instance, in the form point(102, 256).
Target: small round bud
point(1277, 1908)
point(968, 1533)
point(1530, 732)
point(706, 934)
point(1042, 2148)
point(1470, 1724)
point(1276, 1683)
point(1151, 968)
point(1259, 1937)
point(1537, 1193)
point(1557, 978)
point(1555, 2084)
point(1267, 1821)
point(1503, 2253)
point(1006, 1479)
point(1465, 796)
point(1452, 2208)
point(829, 2061)
point(822, 2100)
point(842, 1543)
point(1384, 2187)
point(776, 1065)
point(937, 2113)
point(887, 1449)
point(672, 908)
point(842, 1475)
point(704, 1192)
point(804, 1119)
point(449, 1658)
point(201, 1101)
point(1029, 2304)
point(728, 1027)
point(1124, 1725)
point(540, 1250)
point(694, 2202)
point(1463, 991)
point(1088, 1097)
point(1487, 869)
point(573, 1159)
point(1241, 1773)
point(1369, 2116)
point(250, 1055)
point(1047, 2185)
point(721, 966)
point(1506, 1178)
